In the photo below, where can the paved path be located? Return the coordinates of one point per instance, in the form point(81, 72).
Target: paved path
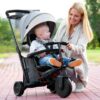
point(10, 71)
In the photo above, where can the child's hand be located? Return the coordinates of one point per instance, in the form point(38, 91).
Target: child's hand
point(42, 54)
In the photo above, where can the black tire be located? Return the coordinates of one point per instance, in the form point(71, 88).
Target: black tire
point(66, 89)
point(18, 88)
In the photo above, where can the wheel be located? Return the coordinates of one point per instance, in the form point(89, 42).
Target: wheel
point(18, 88)
point(64, 88)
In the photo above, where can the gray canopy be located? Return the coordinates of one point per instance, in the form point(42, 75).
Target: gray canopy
point(32, 19)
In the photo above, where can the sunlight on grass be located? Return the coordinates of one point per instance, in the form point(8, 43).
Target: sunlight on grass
point(94, 55)
point(4, 55)
point(6, 49)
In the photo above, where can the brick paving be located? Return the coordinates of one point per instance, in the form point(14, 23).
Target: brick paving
point(10, 71)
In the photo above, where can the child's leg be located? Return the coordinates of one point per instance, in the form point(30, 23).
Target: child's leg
point(49, 60)
point(66, 61)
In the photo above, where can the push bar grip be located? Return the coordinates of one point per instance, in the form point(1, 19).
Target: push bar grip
point(15, 11)
point(52, 43)
point(42, 51)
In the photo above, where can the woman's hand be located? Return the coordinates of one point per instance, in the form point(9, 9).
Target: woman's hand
point(70, 46)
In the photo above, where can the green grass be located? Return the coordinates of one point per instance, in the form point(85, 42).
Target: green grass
point(4, 55)
point(94, 55)
point(7, 49)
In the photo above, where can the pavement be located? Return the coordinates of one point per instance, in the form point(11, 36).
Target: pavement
point(11, 71)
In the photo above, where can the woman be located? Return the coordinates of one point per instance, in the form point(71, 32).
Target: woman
point(78, 34)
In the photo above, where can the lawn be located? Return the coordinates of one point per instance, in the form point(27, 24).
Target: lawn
point(6, 51)
point(94, 55)
point(4, 55)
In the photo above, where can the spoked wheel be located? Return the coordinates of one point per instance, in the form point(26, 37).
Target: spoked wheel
point(18, 88)
point(64, 88)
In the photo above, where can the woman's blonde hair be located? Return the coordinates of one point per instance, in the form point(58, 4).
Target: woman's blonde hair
point(86, 25)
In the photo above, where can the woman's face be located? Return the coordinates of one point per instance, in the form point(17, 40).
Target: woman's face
point(74, 17)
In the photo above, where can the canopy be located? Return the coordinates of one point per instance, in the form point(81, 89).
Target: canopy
point(29, 21)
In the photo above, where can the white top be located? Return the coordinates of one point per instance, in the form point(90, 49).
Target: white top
point(36, 46)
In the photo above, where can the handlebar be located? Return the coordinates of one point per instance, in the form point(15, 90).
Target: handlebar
point(48, 50)
point(53, 43)
point(42, 51)
point(8, 12)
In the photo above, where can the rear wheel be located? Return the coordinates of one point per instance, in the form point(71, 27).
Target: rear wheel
point(18, 88)
point(64, 88)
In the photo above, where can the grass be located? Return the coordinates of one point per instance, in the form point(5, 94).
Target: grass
point(94, 55)
point(4, 55)
point(7, 48)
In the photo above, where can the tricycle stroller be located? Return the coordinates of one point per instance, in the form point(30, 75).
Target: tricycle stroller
point(34, 75)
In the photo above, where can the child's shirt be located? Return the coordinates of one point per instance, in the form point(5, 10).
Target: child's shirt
point(36, 46)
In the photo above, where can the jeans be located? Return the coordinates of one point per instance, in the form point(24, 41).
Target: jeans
point(46, 60)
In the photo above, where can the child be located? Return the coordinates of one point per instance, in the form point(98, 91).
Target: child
point(43, 36)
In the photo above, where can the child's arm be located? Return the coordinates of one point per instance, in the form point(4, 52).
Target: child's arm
point(35, 46)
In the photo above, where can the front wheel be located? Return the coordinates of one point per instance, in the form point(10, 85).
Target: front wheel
point(64, 88)
point(18, 88)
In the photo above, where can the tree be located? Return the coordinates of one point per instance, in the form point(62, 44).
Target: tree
point(93, 8)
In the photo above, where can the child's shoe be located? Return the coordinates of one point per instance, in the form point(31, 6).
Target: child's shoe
point(55, 62)
point(75, 62)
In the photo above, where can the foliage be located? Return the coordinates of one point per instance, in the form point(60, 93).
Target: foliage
point(6, 42)
point(5, 32)
point(93, 8)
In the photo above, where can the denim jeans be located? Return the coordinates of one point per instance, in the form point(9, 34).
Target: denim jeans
point(46, 60)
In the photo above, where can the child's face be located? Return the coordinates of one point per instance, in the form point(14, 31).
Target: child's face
point(42, 32)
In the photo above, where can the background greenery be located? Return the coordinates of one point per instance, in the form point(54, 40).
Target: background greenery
point(93, 8)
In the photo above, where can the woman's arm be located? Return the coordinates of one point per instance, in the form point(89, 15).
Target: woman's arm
point(81, 45)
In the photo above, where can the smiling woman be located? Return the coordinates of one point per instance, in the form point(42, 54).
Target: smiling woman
point(78, 33)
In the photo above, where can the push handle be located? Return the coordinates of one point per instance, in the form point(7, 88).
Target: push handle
point(53, 43)
point(42, 51)
point(9, 12)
